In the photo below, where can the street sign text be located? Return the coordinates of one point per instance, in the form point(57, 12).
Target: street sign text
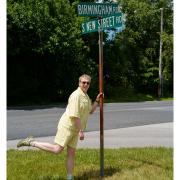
point(109, 22)
point(97, 9)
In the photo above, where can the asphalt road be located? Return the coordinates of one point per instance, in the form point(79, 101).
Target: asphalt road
point(42, 121)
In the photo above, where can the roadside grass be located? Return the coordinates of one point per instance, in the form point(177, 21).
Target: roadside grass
point(116, 98)
point(136, 98)
point(151, 163)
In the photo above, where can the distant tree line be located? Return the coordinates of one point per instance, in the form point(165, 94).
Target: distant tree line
point(46, 52)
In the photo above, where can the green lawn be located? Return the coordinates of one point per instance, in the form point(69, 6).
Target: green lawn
point(120, 164)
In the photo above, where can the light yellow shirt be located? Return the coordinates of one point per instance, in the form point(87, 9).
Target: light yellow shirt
point(79, 105)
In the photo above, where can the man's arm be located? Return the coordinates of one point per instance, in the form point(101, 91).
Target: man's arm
point(96, 103)
point(94, 106)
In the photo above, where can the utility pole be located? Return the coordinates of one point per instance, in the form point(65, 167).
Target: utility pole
point(160, 88)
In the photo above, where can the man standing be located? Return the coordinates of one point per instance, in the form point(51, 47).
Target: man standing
point(71, 125)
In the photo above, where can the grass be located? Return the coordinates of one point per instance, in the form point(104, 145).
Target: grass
point(120, 164)
point(136, 98)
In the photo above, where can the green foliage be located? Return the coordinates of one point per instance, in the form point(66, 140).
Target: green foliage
point(132, 58)
point(168, 62)
point(46, 52)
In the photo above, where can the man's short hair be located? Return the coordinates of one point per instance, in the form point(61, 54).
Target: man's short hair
point(85, 76)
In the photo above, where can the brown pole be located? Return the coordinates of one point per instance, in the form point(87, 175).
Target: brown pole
point(101, 103)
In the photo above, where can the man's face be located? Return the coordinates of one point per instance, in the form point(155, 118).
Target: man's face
point(84, 84)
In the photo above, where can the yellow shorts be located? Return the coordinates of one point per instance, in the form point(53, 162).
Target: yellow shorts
point(66, 137)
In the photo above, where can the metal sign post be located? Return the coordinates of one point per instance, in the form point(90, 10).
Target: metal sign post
point(101, 102)
point(109, 16)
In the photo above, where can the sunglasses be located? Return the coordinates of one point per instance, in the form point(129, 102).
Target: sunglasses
point(85, 82)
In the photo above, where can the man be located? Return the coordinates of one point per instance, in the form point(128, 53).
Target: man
point(71, 125)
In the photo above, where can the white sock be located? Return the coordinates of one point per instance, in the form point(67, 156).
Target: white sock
point(69, 177)
point(32, 143)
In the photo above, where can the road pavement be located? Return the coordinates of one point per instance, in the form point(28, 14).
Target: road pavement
point(42, 121)
point(125, 125)
point(158, 135)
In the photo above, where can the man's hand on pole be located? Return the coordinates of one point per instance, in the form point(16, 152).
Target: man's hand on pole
point(99, 96)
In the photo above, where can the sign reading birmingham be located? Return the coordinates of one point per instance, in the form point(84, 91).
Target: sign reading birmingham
point(97, 9)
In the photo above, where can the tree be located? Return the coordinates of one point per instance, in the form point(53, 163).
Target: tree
point(133, 56)
point(45, 50)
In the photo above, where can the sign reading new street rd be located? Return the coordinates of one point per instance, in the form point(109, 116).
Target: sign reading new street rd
point(108, 22)
point(97, 9)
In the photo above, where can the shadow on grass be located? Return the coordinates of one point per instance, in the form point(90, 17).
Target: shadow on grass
point(95, 174)
point(167, 167)
point(88, 175)
point(49, 177)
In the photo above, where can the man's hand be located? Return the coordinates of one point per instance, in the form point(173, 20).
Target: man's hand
point(96, 102)
point(81, 135)
point(98, 96)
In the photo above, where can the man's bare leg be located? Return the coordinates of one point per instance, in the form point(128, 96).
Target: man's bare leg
point(70, 161)
point(30, 141)
point(54, 148)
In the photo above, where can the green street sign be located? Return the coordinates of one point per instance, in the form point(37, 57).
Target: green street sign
point(97, 9)
point(108, 22)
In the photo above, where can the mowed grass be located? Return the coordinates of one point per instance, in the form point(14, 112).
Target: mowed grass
point(119, 164)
